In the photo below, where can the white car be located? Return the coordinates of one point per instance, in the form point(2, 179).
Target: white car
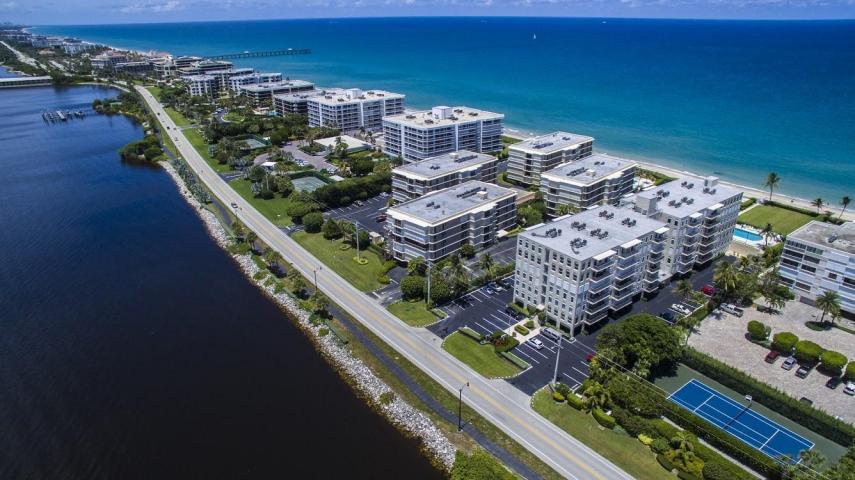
point(536, 343)
point(681, 309)
point(850, 388)
point(732, 309)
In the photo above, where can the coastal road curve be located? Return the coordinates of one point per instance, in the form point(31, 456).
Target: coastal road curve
point(496, 400)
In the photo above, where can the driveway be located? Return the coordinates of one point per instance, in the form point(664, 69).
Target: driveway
point(365, 214)
point(317, 161)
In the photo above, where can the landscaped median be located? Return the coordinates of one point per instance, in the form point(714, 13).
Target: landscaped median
point(482, 358)
point(414, 314)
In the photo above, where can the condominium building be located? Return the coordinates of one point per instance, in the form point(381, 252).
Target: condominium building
point(202, 67)
point(203, 85)
point(595, 180)
point(579, 268)
point(166, 67)
point(413, 180)
point(420, 135)
point(264, 92)
point(294, 103)
point(701, 215)
point(224, 76)
point(353, 109)
point(251, 78)
point(440, 223)
point(108, 59)
point(528, 159)
point(820, 257)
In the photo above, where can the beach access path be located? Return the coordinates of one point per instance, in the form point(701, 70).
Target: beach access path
point(496, 400)
point(22, 57)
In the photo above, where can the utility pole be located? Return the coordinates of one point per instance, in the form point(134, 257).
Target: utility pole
point(315, 271)
point(427, 300)
point(356, 228)
point(460, 407)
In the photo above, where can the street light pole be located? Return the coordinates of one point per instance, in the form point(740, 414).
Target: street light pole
point(427, 300)
point(315, 271)
point(557, 355)
point(356, 227)
point(460, 407)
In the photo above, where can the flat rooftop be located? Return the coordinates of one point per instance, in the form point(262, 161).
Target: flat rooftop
point(299, 96)
point(444, 164)
point(590, 169)
point(257, 75)
point(338, 96)
point(550, 143)
point(827, 235)
point(232, 71)
point(688, 194)
point(271, 86)
point(443, 116)
point(200, 78)
point(23, 79)
point(442, 205)
point(598, 230)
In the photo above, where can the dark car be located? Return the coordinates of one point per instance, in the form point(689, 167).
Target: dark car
point(772, 356)
point(788, 363)
point(833, 382)
point(507, 282)
point(803, 371)
point(708, 290)
point(381, 217)
point(667, 315)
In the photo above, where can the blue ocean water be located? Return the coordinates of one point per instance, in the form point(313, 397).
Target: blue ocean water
point(733, 98)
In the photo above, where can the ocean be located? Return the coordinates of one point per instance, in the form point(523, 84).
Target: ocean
point(737, 99)
point(132, 346)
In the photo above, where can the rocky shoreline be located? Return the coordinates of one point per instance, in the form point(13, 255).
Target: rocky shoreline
point(404, 416)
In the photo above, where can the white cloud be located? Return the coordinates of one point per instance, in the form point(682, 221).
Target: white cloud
point(153, 7)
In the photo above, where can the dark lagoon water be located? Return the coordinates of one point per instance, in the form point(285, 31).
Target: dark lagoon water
point(132, 347)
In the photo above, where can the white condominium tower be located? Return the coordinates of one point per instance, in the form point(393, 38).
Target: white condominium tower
point(701, 215)
point(820, 257)
point(595, 180)
point(413, 180)
point(530, 158)
point(353, 109)
point(419, 135)
point(438, 224)
point(580, 267)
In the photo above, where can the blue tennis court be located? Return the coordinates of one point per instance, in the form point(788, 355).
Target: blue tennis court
point(740, 421)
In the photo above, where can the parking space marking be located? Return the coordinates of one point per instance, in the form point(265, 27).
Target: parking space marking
point(528, 357)
point(499, 327)
point(580, 372)
point(501, 320)
point(535, 350)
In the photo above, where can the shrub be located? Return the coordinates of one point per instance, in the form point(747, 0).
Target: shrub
point(521, 329)
point(784, 342)
point(603, 418)
point(715, 471)
point(467, 251)
point(666, 464)
point(313, 222)
point(558, 397)
point(633, 424)
point(529, 324)
point(384, 279)
point(646, 440)
point(850, 371)
point(808, 351)
point(505, 343)
point(563, 389)
point(575, 402)
point(386, 398)
point(660, 446)
point(833, 362)
point(811, 418)
point(480, 465)
point(471, 333)
point(413, 287)
point(691, 466)
point(687, 476)
point(757, 330)
point(297, 210)
point(519, 362)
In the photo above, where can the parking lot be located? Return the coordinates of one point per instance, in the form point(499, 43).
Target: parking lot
point(504, 251)
point(365, 214)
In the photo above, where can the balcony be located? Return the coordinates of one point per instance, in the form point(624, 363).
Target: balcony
point(600, 285)
point(599, 307)
point(602, 265)
point(621, 294)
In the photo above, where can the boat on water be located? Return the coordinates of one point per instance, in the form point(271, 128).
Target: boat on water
point(61, 115)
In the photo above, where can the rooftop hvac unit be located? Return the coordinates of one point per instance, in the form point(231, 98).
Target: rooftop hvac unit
point(610, 216)
point(539, 145)
point(430, 204)
point(690, 201)
point(632, 223)
point(604, 235)
point(434, 167)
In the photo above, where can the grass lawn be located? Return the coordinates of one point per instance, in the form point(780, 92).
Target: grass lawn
point(195, 138)
point(233, 116)
point(154, 91)
point(273, 209)
point(363, 277)
point(624, 451)
point(482, 358)
point(783, 221)
point(414, 314)
point(176, 117)
point(506, 140)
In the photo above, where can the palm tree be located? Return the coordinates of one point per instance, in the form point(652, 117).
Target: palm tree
point(684, 289)
point(845, 202)
point(566, 209)
point(772, 181)
point(818, 203)
point(416, 266)
point(487, 264)
point(726, 277)
point(829, 303)
point(766, 232)
point(683, 447)
point(596, 396)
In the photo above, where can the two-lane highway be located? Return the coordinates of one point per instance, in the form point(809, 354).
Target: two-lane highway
point(497, 401)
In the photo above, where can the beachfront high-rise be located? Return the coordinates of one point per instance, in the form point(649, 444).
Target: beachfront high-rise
point(438, 224)
point(701, 214)
point(413, 180)
point(820, 257)
point(252, 78)
point(580, 267)
point(260, 93)
point(294, 103)
point(595, 180)
point(528, 159)
point(353, 109)
point(419, 135)
point(202, 85)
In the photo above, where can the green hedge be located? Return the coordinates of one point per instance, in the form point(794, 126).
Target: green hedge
point(603, 418)
point(521, 329)
point(686, 476)
point(770, 397)
point(575, 401)
point(784, 342)
point(808, 351)
point(747, 203)
point(758, 330)
point(850, 371)
point(558, 397)
point(833, 362)
point(471, 333)
point(515, 360)
point(666, 464)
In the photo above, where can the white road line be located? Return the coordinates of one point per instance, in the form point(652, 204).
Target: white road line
point(500, 327)
point(580, 372)
point(528, 357)
point(536, 351)
point(500, 320)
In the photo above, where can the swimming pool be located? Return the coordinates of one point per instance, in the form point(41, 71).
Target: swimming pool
point(746, 235)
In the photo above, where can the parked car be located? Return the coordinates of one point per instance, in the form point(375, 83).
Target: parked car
point(732, 309)
point(850, 388)
point(489, 291)
point(803, 371)
point(681, 309)
point(788, 363)
point(381, 217)
point(507, 282)
point(550, 334)
point(536, 343)
point(359, 203)
point(234, 205)
point(589, 357)
point(384, 194)
point(513, 313)
point(708, 290)
point(668, 316)
point(833, 382)
point(772, 356)
point(495, 286)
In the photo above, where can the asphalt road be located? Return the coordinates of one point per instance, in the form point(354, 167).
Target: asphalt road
point(500, 403)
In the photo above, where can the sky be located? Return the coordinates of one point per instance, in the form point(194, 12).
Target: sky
point(55, 12)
